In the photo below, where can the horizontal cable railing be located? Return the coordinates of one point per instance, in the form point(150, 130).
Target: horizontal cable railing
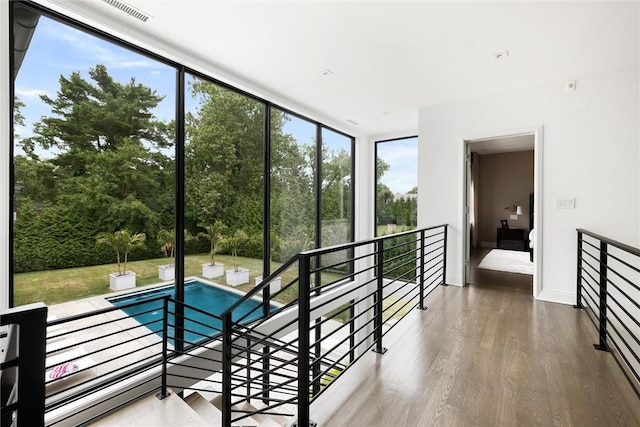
point(347, 298)
point(264, 359)
point(608, 288)
point(89, 352)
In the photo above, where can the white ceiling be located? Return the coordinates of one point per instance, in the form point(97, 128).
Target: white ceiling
point(388, 59)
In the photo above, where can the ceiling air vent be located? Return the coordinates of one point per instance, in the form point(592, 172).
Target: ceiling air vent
point(128, 9)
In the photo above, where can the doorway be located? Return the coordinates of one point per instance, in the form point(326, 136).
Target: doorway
point(502, 194)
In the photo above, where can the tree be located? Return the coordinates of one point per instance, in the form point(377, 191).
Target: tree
point(91, 117)
point(214, 234)
point(167, 241)
point(336, 185)
point(18, 117)
point(122, 242)
point(37, 179)
point(224, 155)
point(233, 243)
point(108, 162)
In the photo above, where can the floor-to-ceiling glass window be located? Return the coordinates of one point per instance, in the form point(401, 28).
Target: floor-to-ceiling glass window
point(97, 132)
point(223, 183)
point(336, 196)
point(396, 185)
point(292, 179)
point(93, 168)
point(396, 202)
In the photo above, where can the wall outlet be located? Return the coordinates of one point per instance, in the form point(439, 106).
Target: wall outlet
point(514, 217)
point(564, 203)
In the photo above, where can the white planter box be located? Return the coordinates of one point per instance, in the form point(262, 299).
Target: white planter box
point(125, 281)
point(240, 277)
point(274, 286)
point(167, 272)
point(210, 271)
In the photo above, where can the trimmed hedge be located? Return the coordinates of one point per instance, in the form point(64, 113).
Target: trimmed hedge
point(50, 238)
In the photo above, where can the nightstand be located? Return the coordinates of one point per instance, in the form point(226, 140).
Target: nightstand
point(512, 238)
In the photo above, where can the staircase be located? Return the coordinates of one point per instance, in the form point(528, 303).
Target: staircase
point(201, 408)
point(208, 405)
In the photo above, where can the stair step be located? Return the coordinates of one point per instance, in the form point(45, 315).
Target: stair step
point(205, 409)
point(267, 420)
point(150, 411)
point(245, 422)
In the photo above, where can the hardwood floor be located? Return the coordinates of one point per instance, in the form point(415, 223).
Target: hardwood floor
point(485, 355)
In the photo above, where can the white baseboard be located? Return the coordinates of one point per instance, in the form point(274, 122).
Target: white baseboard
point(560, 297)
point(491, 245)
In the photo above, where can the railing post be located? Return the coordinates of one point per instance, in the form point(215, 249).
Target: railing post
point(602, 345)
point(227, 325)
point(304, 319)
point(579, 274)
point(444, 258)
point(249, 368)
point(30, 361)
point(165, 339)
point(317, 350)
point(421, 306)
point(378, 297)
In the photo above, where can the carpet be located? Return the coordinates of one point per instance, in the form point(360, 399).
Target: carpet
point(509, 261)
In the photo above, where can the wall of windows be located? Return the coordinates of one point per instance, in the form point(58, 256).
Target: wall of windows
point(107, 138)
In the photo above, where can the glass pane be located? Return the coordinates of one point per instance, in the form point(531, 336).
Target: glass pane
point(396, 185)
point(93, 150)
point(224, 184)
point(293, 148)
point(337, 211)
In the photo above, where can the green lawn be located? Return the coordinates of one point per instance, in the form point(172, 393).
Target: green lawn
point(383, 230)
point(57, 286)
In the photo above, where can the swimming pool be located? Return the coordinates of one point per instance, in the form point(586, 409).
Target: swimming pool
point(208, 298)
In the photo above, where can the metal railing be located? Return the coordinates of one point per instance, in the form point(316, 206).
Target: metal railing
point(292, 355)
point(22, 367)
point(261, 359)
point(608, 288)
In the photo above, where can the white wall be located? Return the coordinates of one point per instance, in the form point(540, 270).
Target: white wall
point(591, 153)
point(5, 114)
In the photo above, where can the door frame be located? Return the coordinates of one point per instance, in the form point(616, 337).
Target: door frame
point(537, 133)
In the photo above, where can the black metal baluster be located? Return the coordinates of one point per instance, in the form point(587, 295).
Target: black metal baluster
point(165, 339)
point(602, 345)
point(227, 325)
point(579, 278)
point(304, 319)
point(444, 258)
point(378, 297)
point(422, 306)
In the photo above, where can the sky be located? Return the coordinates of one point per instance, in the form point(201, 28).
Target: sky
point(57, 49)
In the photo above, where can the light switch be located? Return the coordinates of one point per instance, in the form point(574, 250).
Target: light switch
point(565, 203)
point(514, 217)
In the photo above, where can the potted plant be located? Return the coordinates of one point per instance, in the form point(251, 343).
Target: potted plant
point(274, 285)
point(236, 275)
point(214, 234)
point(166, 239)
point(122, 242)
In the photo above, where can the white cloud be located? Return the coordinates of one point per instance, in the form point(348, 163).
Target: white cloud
point(155, 72)
point(96, 50)
point(30, 93)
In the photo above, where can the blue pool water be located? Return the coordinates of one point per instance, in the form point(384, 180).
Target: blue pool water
point(210, 299)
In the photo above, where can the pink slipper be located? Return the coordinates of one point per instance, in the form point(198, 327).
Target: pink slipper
point(62, 370)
